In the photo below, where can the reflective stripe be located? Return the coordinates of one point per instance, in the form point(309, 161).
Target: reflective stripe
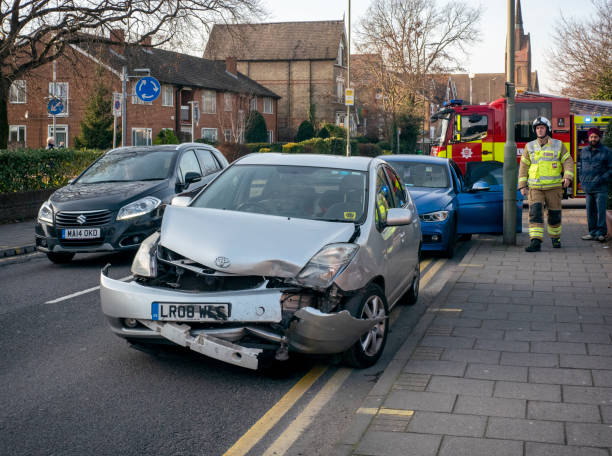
point(522, 179)
point(554, 231)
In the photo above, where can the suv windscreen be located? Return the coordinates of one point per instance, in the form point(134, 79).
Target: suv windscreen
point(130, 166)
point(289, 191)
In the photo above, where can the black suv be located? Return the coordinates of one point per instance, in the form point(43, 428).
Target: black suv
point(118, 200)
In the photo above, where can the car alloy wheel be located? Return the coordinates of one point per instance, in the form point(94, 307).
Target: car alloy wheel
point(370, 303)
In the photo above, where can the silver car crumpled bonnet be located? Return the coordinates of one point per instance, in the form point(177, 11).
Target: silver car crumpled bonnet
point(316, 332)
point(249, 244)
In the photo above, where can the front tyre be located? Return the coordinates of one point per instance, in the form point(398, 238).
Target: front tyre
point(412, 295)
point(60, 258)
point(370, 303)
point(449, 252)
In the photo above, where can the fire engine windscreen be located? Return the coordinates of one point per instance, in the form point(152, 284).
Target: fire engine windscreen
point(440, 123)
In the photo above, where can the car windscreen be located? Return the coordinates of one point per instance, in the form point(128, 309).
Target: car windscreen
point(289, 191)
point(429, 175)
point(130, 166)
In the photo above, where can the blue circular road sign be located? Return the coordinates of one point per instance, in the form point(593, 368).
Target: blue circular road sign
point(148, 88)
point(55, 106)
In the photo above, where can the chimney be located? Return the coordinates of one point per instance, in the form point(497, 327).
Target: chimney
point(117, 37)
point(231, 65)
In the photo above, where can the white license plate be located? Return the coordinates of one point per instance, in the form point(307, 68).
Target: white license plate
point(80, 233)
point(166, 311)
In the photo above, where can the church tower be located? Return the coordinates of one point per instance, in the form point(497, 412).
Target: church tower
point(522, 54)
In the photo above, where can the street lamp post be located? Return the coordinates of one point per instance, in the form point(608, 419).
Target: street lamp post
point(348, 83)
point(510, 165)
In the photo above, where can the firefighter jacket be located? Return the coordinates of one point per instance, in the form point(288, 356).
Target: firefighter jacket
point(541, 166)
point(595, 168)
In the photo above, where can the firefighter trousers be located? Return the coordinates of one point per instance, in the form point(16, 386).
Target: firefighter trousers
point(551, 200)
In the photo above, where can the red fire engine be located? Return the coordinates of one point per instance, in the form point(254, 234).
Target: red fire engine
point(478, 133)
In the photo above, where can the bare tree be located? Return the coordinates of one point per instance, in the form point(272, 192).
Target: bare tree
point(36, 32)
point(414, 38)
point(581, 59)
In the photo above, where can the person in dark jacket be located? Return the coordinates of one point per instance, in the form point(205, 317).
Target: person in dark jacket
point(595, 175)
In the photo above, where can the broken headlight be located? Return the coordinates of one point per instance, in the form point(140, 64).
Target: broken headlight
point(324, 267)
point(145, 261)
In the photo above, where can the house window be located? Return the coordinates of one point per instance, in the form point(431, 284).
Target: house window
point(228, 99)
point(209, 134)
point(270, 136)
point(267, 105)
point(135, 99)
point(228, 135)
point(253, 106)
point(17, 92)
point(340, 88)
point(17, 134)
point(61, 134)
point(61, 92)
point(340, 118)
point(167, 95)
point(339, 58)
point(209, 101)
point(142, 137)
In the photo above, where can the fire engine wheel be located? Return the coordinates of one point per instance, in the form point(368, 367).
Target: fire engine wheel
point(370, 303)
point(449, 252)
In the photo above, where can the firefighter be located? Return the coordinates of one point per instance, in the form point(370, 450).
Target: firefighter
point(546, 168)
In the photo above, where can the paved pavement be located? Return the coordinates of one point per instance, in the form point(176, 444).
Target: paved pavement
point(514, 357)
point(17, 238)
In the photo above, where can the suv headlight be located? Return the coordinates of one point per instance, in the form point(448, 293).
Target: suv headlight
point(324, 267)
point(139, 207)
point(438, 216)
point(145, 261)
point(45, 213)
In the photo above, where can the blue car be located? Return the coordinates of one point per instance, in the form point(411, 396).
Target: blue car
point(451, 204)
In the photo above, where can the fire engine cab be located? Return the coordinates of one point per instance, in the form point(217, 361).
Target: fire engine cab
point(478, 132)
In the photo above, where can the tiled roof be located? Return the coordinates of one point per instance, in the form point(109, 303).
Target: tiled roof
point(317, 40)
point(174, 68)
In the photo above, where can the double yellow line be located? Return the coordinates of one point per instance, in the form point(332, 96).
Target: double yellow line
point(303, 420)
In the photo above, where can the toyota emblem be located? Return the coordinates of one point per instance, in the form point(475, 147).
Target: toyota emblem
point(81, 219)
point(223, 262)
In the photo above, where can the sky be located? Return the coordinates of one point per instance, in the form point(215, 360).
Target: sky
point(539, 20)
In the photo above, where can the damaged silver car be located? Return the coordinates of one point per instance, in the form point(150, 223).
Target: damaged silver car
point(279, 254)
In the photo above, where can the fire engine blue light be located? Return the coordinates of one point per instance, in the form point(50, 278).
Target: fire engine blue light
point(587, 119)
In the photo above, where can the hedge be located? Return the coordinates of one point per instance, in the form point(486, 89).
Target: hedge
point(35, 169)
point(255, 147)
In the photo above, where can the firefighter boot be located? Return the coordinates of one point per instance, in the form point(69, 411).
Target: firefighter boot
point(556, 242)
point(534, 246)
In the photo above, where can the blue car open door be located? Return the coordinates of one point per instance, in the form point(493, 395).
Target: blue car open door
point(481, 206)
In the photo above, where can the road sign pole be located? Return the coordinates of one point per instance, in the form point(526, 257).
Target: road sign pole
point(114, 131)
point(124, 106)
point(54, 94)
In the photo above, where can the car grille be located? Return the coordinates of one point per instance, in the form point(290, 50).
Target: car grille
point(92, 218)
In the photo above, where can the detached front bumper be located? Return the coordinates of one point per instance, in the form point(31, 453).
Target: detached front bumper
point(255, 313)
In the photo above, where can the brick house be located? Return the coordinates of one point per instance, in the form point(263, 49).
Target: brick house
point(224, 95)
point(303, 62)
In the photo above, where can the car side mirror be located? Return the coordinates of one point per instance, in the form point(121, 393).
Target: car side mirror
point(399, 216)
point(480, 186)
point(181, 201)
point(192, 177)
